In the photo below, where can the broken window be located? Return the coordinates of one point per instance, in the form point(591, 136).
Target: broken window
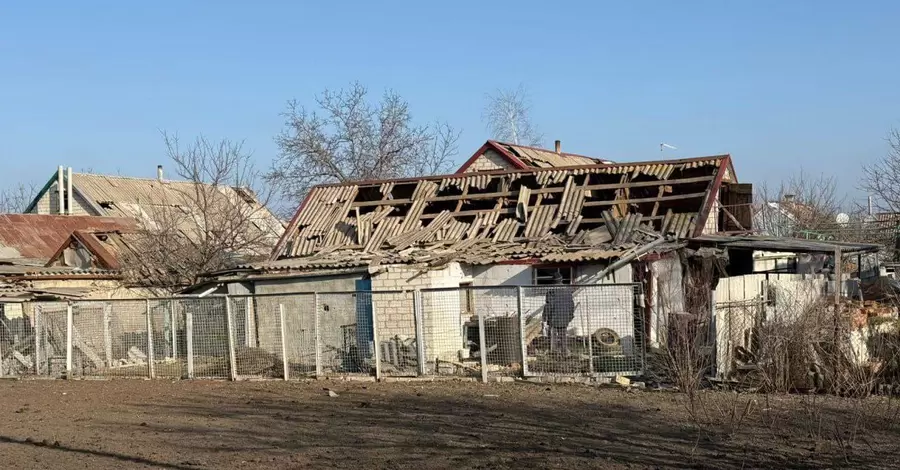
point(546, 275)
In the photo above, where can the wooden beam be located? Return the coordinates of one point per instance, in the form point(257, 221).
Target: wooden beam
point(645, 199)
point(662, 190)
point(591, 187)
point(732, 217)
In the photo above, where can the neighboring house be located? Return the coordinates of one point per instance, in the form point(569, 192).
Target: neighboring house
point(151, 201)
point(493, 156)
point(56, 256)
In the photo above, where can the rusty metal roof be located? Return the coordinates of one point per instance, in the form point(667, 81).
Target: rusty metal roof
point(581, 212)
point(39, 237)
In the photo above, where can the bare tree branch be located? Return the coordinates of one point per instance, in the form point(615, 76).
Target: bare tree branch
point(882, 178)
point(507, 115)
point(211, 221)
point(348, 138)
point(15, 199)
point(803, 205)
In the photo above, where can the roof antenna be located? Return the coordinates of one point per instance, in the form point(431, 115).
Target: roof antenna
point(664, 146)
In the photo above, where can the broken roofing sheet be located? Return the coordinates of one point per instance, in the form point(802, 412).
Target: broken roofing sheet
point(576, 213)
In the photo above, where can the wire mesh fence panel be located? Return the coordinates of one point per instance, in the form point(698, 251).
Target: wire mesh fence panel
point(344, 325)
point(50, 338)
point(394, 314)
point(498, 308)
point(110, 338)
point(167, 332)
point(17, 339)
point(257, 336)
point(449, 330)
point(299, 319)
point(574, 330)
point(207, 328)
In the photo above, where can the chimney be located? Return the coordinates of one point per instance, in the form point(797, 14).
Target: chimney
point(159, 173)
point(870, 205)
point(60, 190)
point(788, 198)
point(70, 196)
point(558, 146)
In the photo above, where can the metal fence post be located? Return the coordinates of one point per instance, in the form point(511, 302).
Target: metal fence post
point(284, 358)
point(522, 335)
point(229, 328)
point(173, 322)
point(189, 341)
point(375, 337)
point(419, 319)
point(318, 334)
point(482, 347)
point(69, 321)
point(38, 334)
point(150, 371)
point(107, 334)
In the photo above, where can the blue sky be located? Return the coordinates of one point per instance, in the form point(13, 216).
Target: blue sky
point(779, 85)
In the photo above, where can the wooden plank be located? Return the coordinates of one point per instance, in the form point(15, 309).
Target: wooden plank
point(646, 199)
point(592, 187)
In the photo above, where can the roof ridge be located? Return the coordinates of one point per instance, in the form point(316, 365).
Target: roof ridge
point(532, 147)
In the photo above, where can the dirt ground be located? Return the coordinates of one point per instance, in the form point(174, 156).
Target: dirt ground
point(197, 424)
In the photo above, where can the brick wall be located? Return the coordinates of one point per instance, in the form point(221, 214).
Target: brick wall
point(489, 161)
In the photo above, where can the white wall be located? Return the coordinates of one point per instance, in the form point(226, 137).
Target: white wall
point(609, 307)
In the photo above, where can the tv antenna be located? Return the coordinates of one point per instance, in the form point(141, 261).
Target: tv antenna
point(664, 146)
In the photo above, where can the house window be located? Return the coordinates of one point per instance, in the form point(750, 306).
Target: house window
point(544, 275)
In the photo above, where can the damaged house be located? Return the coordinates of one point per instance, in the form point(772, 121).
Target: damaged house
point(596, 223)
point(180, 226)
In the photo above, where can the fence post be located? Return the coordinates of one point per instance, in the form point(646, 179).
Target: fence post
point(38, 334)
point(482, 347)
point(150, 356)
point(173, 322)
point(107, 335)
point(419, 319)
point(375, 336)
point(229, 328)
point(189, 341)
point(318, 340)
point(714, 334)
point(522, 339)
point(284, 358)
point(69, 321)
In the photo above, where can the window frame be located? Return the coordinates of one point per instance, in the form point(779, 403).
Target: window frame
point(536, 277)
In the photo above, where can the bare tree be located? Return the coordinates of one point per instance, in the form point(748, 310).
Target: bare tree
point(881, 179)
point(211, 221)
point(350, 138)
point(507, 115)
point(803, 205)
point(15, 199)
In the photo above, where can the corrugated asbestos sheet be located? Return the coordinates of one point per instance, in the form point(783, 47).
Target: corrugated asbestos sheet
point(571, 214)
point(148, 200)
point(545, 158)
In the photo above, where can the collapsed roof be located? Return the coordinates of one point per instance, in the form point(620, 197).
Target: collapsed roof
point(579, 213)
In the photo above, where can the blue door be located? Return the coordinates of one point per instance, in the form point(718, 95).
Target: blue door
point(364, 332)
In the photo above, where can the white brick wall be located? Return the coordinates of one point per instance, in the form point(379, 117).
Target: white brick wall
point(489, 161)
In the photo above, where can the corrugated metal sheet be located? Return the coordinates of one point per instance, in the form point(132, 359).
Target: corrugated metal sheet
point(40, 236)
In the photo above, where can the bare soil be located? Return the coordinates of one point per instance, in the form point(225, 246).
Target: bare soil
point(130, 423)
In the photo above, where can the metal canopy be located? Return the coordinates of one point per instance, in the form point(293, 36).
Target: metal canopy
point(795, 245)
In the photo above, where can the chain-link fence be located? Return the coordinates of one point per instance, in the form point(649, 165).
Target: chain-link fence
point(484, 332)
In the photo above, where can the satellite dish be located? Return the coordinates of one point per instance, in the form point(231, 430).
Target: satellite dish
point(842, 218)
